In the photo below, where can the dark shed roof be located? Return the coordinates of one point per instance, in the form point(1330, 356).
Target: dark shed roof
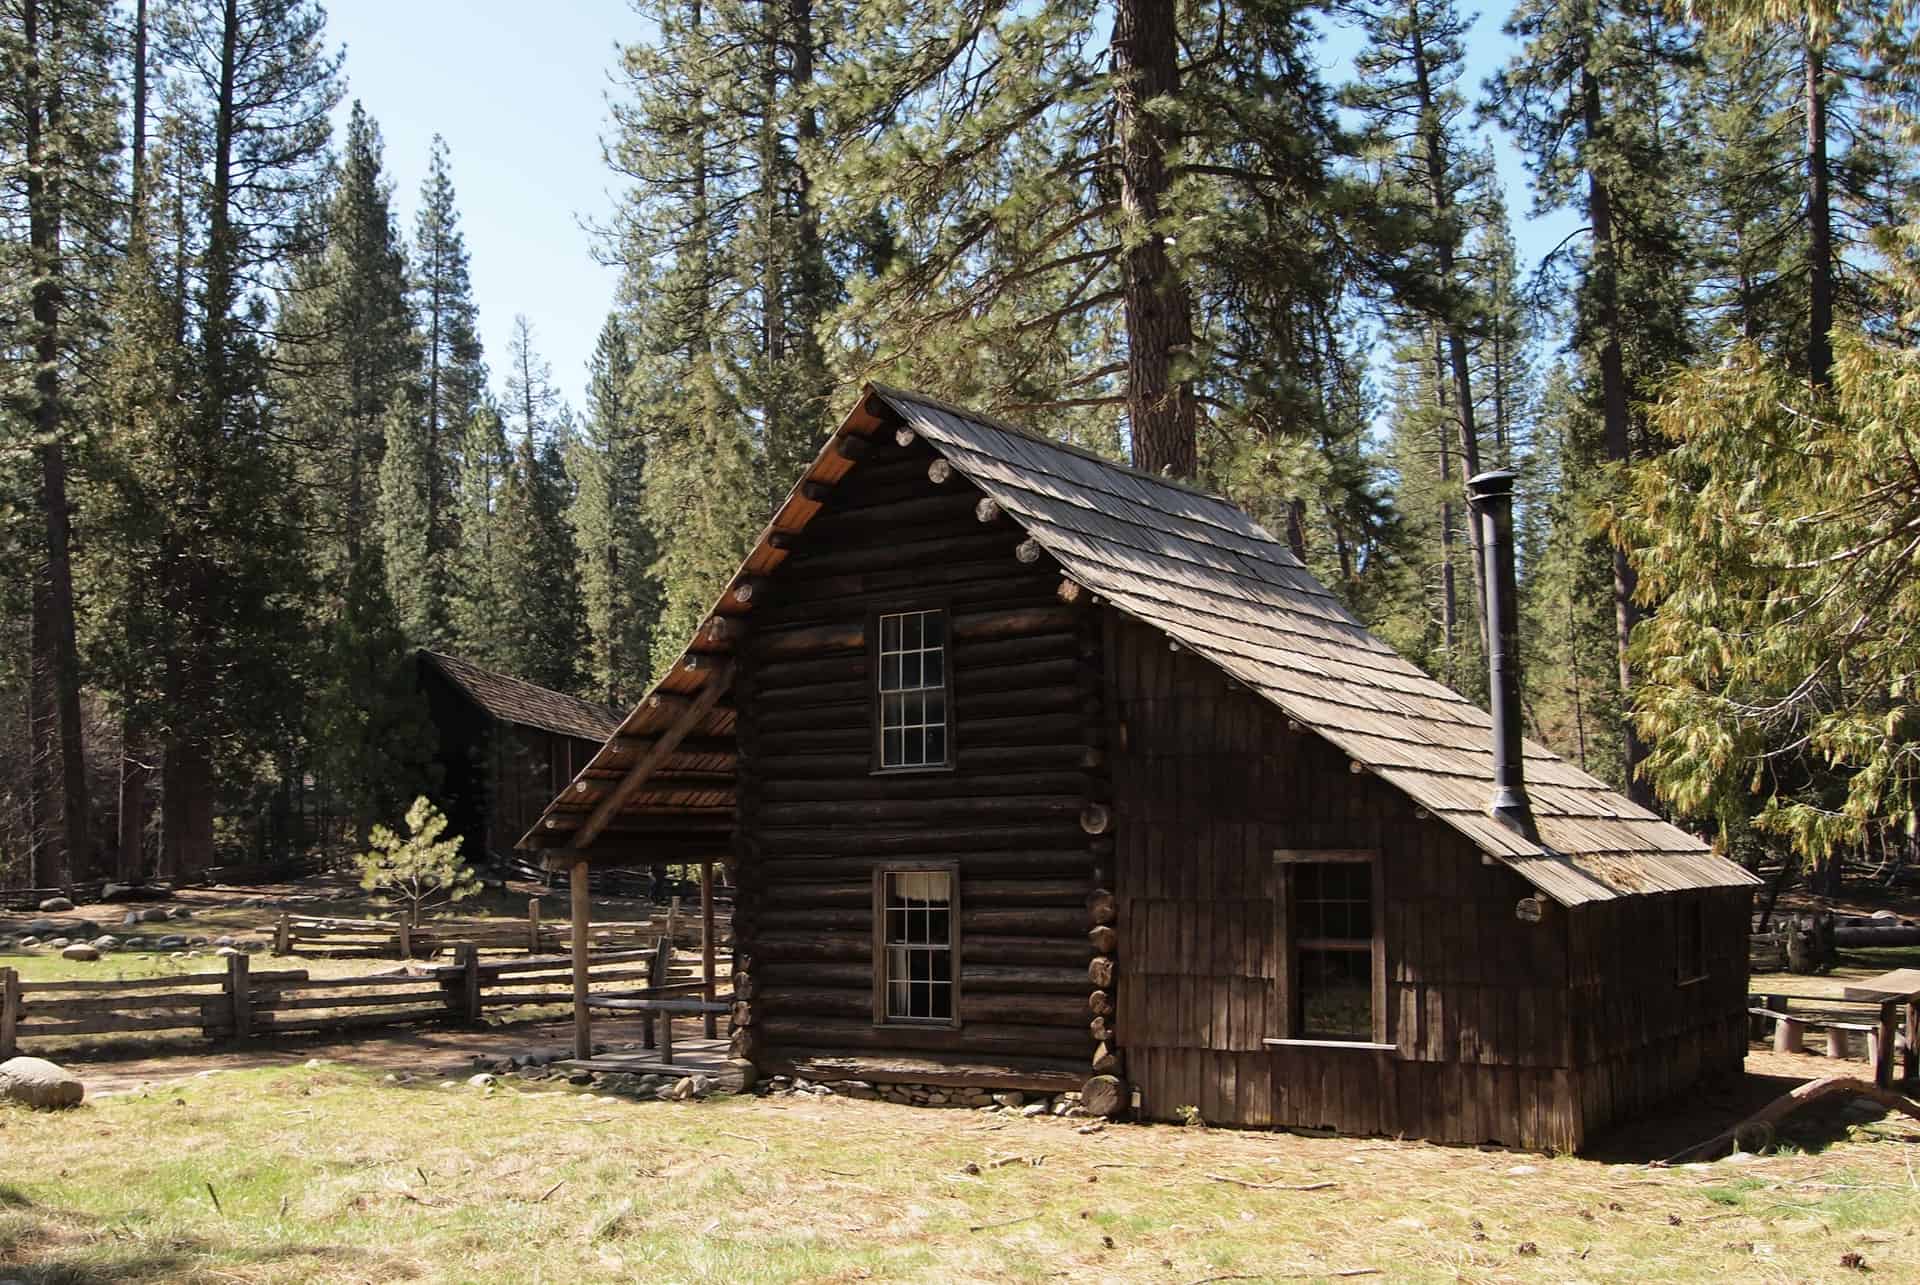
point(514, 700)
point(1201, 571)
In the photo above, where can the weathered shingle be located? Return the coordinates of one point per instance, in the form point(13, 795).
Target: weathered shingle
point(1201, 571)
point(515, 700)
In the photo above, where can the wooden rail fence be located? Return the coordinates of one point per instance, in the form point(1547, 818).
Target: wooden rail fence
point(297, 934)
point(240, 1002)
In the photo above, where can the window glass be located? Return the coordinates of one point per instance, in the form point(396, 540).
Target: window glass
point(918, 906)
point(913, 691)
point(1333, 949)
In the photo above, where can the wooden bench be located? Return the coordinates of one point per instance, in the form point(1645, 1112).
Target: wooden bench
point(661, 1000)
point(1790, 1030)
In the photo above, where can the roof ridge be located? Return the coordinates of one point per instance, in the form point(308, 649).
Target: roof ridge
point(1032, 435)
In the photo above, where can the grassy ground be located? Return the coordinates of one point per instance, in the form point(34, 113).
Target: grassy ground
point(329, 1173)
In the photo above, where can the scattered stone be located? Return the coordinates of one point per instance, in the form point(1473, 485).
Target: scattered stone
point(252, 946)
point(129, 919)
point(106, 942)
point(43, 928)
point(682, 1090)
point(54, 905)
point(80, 951)
point(60, 943)
point(29, 941)
point(228, 951)
point(1033, 1109)
point(580, 1077)
point(172, 941)
point(1010, 1098)
point(181, 912)
point(40, 1084)
point(482, 1081)
point(223, 940)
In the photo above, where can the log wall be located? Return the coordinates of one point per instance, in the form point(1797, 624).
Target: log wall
point(815, 821)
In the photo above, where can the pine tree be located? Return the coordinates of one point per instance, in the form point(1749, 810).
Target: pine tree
point(609, 470)
point(1593, 99)
point(538, 559)
point(453, 381)
point(249, 91)
point(57, 130)
point(479, 605)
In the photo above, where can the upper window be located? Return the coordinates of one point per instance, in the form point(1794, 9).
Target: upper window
point(1332, 974)
point(917, 925)
point(913, 689)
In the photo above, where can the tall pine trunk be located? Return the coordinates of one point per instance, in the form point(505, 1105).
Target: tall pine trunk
point(1616, 435)
point(1160, 406)
point(1819, 222)
point(56, 655)
point(134, 772)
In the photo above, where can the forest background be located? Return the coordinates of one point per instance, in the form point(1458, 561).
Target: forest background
point(255, 454)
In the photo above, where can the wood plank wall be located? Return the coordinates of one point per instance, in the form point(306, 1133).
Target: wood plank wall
point(814, 821)
point(1640, 1035)
point(1530, 1035)
point(1208, 782)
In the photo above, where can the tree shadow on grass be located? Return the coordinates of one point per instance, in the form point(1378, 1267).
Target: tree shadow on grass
point(40, 1245)
point(1703, 1112)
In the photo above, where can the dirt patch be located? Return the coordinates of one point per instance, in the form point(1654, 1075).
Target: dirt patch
point(439, 1052)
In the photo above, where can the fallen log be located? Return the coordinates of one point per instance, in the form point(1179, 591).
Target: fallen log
point(1756, 1132)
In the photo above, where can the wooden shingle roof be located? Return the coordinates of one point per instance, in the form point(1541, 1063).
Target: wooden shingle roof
point(515, 700)
point(1202, 572)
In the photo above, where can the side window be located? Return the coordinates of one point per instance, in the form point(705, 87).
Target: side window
point(912, 705)
point(1331, 954)
point(916, 956)
point(1690, 940)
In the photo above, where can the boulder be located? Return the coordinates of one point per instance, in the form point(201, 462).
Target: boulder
point(29, 941)
point(170, 943)
point(129, 919)
point(105, 942)
point(181, 912)
point(60, 943)
point(80, 950)
point(40, 1084)
point(54, 905)
point(154, 915)
point(42, 928)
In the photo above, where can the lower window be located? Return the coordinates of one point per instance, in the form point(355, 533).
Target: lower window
point(1328, 928)
point(917, 947)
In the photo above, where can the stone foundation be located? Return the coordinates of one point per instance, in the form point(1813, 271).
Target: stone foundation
point(1007, 1101)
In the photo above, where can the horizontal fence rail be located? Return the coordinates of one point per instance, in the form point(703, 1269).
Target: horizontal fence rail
point(241, 1002)
point(299, 934)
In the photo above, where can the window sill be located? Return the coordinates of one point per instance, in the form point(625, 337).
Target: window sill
point(1358, 1046)
point(916, 770)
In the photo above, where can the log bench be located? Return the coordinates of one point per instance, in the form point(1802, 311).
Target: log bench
point(1882, 1037)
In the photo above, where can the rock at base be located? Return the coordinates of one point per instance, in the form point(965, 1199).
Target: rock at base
point(80, 950)
point(38, 1083)
point(53, 905)
point(1103, 1095)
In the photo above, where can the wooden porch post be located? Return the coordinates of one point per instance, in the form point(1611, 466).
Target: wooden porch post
point(582, 1021)
point(706, 943)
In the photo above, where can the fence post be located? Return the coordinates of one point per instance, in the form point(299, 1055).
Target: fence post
point(470, 979)
point(9, 1012)
point(283, 935)
point(673, 922)
point(240, 996)
point(533, 925)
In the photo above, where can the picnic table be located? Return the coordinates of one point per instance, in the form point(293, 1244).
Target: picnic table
point(1892, 991)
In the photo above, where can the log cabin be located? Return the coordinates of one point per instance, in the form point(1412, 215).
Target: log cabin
point(504, 747)
point(1034, 771)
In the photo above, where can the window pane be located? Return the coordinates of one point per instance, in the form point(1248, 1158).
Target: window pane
point(1336, 994)
point(912, 681)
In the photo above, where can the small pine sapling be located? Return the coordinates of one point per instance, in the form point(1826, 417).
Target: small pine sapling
point(419, 868)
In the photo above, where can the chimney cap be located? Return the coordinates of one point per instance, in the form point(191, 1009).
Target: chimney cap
point(1492, 483)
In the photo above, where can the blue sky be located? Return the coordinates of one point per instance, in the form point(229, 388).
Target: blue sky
point(519, 89)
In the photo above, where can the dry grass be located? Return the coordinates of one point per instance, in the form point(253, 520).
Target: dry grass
point(334, 1174)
